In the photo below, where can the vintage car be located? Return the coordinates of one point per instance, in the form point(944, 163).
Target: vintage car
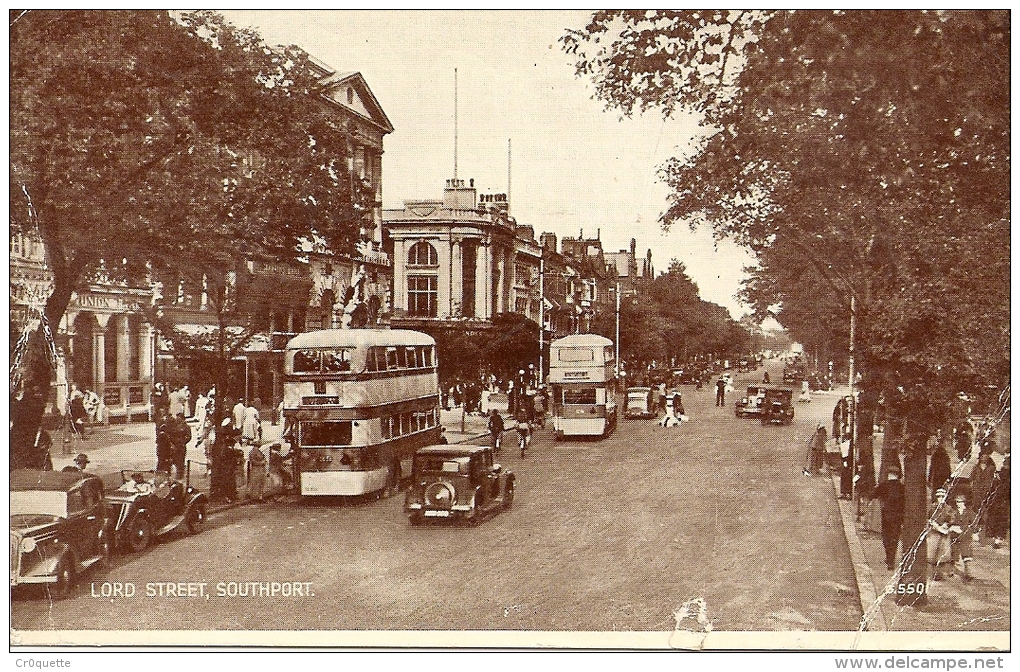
point(750, 404)
point(150, 504)
point(793, 373)
point(777, 406)
point(457, 482)
point(640, 403)
point(59, 527)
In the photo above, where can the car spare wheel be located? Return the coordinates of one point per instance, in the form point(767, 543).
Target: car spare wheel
point(439, 496)
point(195, 518)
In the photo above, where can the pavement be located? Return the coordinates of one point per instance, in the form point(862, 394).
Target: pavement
point(953, 604)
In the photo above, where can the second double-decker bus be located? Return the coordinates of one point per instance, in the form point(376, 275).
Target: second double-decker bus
point(582, 379)
point(358, 404)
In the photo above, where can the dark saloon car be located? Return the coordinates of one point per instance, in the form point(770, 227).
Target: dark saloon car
point(457, 482)
point(59, 527)
point(149, 504)
point(777, 406)
point(750, 404)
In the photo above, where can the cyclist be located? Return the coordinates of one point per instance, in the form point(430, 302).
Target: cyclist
point(523, 429)
point(495, 427)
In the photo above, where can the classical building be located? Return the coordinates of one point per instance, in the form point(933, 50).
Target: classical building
point(102, 343)
point(461, 258)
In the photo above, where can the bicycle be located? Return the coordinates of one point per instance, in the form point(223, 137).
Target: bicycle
point(524, 436)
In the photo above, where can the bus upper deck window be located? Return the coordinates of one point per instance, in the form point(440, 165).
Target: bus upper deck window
point(412, 357)
point(336, 361)
point(426, 356)
point(576, 355)
point(391, 358)
point(306, 361)
point(401, 358)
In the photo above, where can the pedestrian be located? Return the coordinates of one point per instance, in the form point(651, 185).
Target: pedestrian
point(251, 426)
point(201, 409)
point(962, 535)
point(159, 400)
point(939, 470)
point(442, 437)
point(865, 485)
point(964, 440)
point(78, 414)
point(225, 461)
point(256, 474)
point(846, 474)
point(678, 407)
point(816, 450)
point(765, 380)
point(997, 518)
point(180, 436)
point(237, 414)
point(80, 462)
point(523, 430)
point(981, 478)
point(720, 392)
point(941, 518)
point(890, 494)
point(163, 447)
point(495, 427)
point(805, 392)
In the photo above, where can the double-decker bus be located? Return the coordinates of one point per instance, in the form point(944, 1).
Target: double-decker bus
point(358, 404)
point(582, 379)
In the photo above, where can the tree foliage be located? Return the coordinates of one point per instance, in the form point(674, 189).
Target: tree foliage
point(859, 154)
point(862, 153)
point(145, 142)
point(668, 321)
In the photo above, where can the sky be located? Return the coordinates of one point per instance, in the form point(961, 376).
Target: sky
point(573, 165)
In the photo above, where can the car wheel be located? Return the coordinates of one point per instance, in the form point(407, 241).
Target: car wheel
point(65, 579)
point(195, 519)
point(140, 534)
point(393, 479)
point(508, 496)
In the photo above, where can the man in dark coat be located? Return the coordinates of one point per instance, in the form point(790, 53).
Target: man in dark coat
point(180, 436)
point(890, 493)
point(496, 428)
point(163, 445)
point(720, 392)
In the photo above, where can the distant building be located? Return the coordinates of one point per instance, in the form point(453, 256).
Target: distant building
point(631, 272)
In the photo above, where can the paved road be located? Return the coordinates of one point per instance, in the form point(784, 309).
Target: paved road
point(609, 535)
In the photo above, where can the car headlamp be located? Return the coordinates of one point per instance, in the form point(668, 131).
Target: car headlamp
point(28, 545)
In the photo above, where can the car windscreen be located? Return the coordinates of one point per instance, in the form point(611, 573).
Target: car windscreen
point(45, 502)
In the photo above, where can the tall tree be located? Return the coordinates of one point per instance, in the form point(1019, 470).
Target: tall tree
point(864, 157)
point(143, 141)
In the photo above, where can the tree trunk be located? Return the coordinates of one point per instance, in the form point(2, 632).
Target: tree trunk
point(29, 402)
point(912, 589)
point(891, 442)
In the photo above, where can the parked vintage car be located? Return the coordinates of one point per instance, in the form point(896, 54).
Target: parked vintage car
point(59, 527)
point(640, 403)
point(777, 406)
point(750, 404)
point(457, 482)
point(150, 504)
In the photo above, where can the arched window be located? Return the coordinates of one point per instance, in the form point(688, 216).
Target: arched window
point(422, 254)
